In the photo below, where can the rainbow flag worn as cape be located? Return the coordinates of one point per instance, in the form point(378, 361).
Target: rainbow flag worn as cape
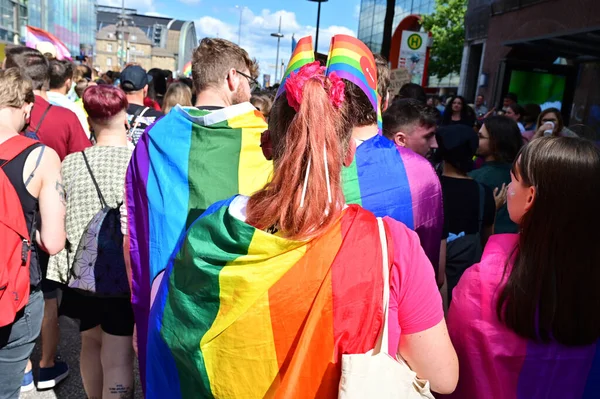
point(37, 35)
point(352, 60)
point(397, 182)
point(242, 313)
point(303, 54)
point(185, 162)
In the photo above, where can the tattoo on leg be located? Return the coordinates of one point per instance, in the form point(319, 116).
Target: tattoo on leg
point(122, 391)
point(61, 192)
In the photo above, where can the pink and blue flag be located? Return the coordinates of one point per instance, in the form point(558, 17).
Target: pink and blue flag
point(37, 35)
point(399, 183)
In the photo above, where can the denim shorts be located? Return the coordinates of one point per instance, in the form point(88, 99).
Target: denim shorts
point(17, 341)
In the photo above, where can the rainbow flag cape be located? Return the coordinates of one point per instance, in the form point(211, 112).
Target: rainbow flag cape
point(303, 54)
point(187, 69)
point(185, 162)
point(352, 60)
point(397, 182)
point(37, 35)
point(494, 361)
point(241, 313)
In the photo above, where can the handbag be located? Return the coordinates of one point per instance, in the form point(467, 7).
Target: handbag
point(376, 374)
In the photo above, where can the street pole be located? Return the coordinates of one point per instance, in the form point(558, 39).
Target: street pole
point(240, 26)
point(278, 35)
point(318, 22)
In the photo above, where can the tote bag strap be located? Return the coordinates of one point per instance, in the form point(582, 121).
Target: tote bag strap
point(382, 341)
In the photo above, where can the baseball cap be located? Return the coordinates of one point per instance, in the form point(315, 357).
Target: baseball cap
point(134, 78)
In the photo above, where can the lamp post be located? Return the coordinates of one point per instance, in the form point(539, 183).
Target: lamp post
point(318, 22)
point(240, 27)
point(278, 35)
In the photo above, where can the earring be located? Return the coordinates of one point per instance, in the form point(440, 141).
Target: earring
point(266, 145)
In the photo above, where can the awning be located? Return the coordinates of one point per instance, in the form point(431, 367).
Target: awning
point(582, 45)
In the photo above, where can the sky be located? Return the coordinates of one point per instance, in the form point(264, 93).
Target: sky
point(260, 18)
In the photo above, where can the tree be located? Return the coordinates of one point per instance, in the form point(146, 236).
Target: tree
point(390, 10)
point(447, 27)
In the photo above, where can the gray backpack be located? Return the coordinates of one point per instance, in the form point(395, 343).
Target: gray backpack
point(99, 264)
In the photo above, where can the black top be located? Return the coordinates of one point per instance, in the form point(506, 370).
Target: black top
point(149, 117)
point(461, 206)
point(30, 205)
point(464, 121)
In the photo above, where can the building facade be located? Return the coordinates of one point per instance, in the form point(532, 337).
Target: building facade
point(172, 41)
point(72, 21)
point(539, 49)
point(115, 47)
point(371, 25)
point(13, 19)
point(372, 17)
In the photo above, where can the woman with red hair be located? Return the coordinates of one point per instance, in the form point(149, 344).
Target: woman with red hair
point(267, 292)
point(106, 323)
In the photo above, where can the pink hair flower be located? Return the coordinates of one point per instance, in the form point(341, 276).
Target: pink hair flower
point(294, 84)
point(336, 90)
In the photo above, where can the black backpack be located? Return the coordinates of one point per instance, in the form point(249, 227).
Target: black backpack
point(464, 251)
point(32, 134)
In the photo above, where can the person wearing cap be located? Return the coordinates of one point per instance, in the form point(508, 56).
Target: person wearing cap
point(469, 207)
point(134, 82)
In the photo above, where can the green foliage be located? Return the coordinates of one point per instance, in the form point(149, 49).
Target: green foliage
point(447, 27)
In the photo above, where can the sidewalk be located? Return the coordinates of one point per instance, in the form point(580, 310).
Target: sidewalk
point(68, 348)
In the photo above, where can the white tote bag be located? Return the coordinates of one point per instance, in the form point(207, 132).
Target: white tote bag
point(376, 374)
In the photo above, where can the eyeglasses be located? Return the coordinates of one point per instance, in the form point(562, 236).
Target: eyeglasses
point(251, 81)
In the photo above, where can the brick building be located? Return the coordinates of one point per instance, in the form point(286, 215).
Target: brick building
point(542, 36)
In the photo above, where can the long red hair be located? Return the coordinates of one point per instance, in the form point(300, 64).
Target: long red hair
point(296, 138)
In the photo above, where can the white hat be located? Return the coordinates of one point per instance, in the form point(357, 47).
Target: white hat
point(46, 48)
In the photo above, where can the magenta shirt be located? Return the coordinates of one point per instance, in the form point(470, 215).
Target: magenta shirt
point(494, 361)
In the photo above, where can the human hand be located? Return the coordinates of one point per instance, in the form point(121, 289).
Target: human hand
point(540, 132)
point(490, 112)
point(500, 196)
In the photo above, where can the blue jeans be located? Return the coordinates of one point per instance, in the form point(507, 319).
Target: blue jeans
point(16, 344)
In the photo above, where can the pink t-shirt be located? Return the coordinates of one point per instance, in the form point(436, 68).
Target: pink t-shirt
point(415, 302)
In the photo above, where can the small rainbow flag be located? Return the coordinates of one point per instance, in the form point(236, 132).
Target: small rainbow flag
point(352, 60)
point(397, 182)
point(185, 162)
point(187, 69)
point(37, 35)
point(303, 54)
point(246, 314)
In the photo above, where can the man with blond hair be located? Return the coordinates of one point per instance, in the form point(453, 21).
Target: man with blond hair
point(185, 162)
point(31, 174)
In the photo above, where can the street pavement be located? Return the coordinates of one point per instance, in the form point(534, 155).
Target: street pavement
point(68, 349)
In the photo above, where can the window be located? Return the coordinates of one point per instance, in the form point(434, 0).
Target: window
point(109, 62)
point(109, 47)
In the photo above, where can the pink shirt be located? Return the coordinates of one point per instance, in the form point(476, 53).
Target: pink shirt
point(415, 302)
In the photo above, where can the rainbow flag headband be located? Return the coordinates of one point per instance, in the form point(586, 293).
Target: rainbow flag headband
point(348, 57)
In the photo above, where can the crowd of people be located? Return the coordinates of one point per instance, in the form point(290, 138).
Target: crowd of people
point(232, 238)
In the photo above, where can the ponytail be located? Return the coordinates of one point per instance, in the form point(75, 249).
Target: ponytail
point(315, 127)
